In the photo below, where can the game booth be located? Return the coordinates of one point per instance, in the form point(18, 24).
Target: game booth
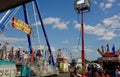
point(62, 61)
point(109, 61)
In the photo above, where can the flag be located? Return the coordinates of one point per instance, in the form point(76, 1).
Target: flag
point(102, 47)
point(107, 47)
point(6, 43)
point(100, 52)
point(113, 49)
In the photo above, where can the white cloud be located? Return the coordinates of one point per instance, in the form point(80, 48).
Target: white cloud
point(95, 2)
point(51, 20)
point(77, 26)
point(108, 36)
point(105, 4)
point(97, 30)
point(89, 50)
point(65, 42)
point(113, 22)
point(79, 48)
point(111, 0)
point(105, 30)
point(55, 22)
point(11, 39)
point(108, 5)
point(60, 25)
point(102, 5)
point(76, 52)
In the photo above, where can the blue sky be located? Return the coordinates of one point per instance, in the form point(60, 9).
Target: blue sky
point(101, 25)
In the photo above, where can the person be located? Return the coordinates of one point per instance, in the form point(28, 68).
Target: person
point(72, 67)
point(25, 57)
point(50, 60)
point(117, 71)
point(22, 56)
point(107, 47)
point(11, 54)
point(4, 54)
point(32, 57)
point(73, 63)
point(71, 70)
point(59, 54)
point(96, 74)
point(107, 75)
point(17, 55)
point(38, 55)
point(1, 54)
point(78, 72)
point(89, 70)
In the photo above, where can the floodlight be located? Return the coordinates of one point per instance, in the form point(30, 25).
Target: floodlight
point(81, 5)
point(80, 2)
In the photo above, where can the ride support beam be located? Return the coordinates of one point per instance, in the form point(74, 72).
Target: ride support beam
point(26, 20)
point(46, 38)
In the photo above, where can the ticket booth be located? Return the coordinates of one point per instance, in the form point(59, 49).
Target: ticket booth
point(63, 64)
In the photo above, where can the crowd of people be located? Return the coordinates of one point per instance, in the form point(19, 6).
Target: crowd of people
point(24, 57)
point(117, 71)
point(91, 71)
point(19, 56)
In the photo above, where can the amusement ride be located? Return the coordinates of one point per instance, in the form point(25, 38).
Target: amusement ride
point(42, 67)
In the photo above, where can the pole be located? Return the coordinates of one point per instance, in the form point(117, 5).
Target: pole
point(83, 51)
point(46, 38)
point(26, 20)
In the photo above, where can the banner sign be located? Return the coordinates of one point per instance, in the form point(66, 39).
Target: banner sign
point(20, 25)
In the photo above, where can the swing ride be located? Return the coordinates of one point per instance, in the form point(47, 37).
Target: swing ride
point(41, 67)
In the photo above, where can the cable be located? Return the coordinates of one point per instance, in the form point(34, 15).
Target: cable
point(33, 6)
point(79, 33)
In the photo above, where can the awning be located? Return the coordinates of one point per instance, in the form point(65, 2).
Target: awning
point(109, 59)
